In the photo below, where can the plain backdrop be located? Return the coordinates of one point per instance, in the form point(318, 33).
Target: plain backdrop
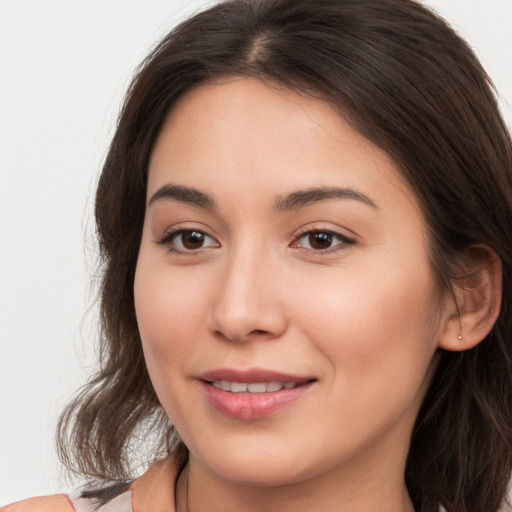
point(64, 66)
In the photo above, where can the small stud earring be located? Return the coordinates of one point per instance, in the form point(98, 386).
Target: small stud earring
point(460, 337)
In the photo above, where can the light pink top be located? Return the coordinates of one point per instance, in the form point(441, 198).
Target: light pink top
point(122, 503)
point(151, 492)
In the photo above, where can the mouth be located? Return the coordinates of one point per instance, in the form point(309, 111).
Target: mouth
point(253, 394)
point(255, 387)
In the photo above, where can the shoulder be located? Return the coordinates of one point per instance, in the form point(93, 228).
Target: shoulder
point(152, 491)
point(55, 503)
point(63, 503)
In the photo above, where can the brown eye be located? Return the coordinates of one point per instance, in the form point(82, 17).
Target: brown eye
point(187, 241)
point(192, 240)
point(320, 240)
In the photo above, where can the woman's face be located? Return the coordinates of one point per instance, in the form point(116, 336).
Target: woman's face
point(286, 303)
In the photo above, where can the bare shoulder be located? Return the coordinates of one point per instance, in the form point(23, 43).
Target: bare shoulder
point(55, 503)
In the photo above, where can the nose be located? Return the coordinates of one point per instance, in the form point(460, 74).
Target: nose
point(249, 303)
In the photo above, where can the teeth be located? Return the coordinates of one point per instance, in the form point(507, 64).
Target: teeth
point(238, 387)
point(253, 387)
point(274, 386)
point(225, 385)
point(257, 387)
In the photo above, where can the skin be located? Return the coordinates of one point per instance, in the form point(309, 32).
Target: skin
point(363, 315)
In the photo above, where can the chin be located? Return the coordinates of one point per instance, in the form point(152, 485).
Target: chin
point(260, 472)
point(262, 462)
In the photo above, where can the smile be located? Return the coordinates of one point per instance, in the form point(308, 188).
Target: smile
point(253, 387)
point(254, 393)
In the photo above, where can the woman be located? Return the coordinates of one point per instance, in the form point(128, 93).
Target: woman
point(304, 220)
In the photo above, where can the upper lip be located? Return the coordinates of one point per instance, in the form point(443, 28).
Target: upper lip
point(251, 375)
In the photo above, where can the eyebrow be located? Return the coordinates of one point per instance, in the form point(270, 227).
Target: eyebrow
point(183, 194)
point(303, 198)
point(292, 201)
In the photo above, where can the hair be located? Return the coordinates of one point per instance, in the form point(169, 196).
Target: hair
point(402, 77)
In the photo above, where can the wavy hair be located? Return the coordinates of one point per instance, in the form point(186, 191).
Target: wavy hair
point(405, 80)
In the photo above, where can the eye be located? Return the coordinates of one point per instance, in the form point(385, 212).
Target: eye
point(322, 241)
point(187, 240)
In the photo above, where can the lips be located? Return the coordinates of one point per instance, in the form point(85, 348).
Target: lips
point(254, 393)
point(253, 387)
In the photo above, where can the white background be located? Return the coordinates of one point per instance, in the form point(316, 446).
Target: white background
point(64, 65)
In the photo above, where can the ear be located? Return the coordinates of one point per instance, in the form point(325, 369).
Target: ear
point(473, 309)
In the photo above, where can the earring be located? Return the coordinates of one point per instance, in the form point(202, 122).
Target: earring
point(460, 337)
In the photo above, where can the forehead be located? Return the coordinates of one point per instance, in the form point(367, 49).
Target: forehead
point(241, 135)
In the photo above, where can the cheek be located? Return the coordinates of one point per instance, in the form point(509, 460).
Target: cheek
point(378, 339)
point(379, 323)
point(169, 315)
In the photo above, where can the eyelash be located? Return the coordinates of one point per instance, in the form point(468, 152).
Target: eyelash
point(343, 241)
point(169, 237)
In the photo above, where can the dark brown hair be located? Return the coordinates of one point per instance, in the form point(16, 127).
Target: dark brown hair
point(406, 81)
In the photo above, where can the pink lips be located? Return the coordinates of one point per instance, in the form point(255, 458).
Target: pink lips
point(247, 405)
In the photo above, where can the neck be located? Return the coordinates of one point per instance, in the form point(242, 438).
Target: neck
point(355, 489)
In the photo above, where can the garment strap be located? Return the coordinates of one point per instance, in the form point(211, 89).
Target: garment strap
point(121, 503)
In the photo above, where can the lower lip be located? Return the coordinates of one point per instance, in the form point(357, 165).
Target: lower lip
point(251, 406)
